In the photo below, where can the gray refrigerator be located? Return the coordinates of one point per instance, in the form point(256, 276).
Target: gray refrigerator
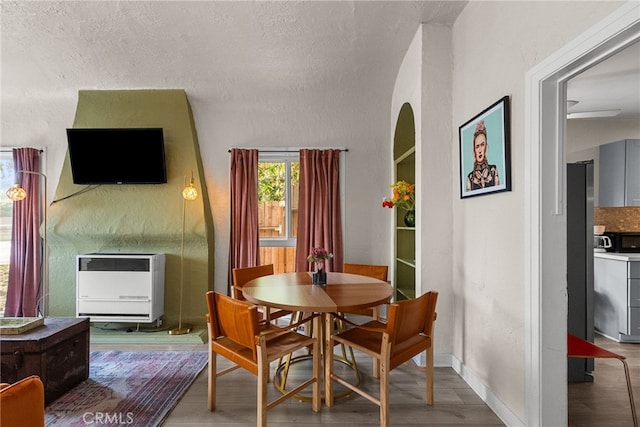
point(580, 207)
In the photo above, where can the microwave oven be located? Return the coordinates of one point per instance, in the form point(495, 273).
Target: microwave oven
point(624, 242)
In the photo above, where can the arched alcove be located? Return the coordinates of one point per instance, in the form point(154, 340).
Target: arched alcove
point(404, 156)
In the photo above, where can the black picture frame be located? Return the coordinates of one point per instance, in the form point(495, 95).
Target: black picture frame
point(492, 173)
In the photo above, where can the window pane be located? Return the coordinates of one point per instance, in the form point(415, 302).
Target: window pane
point(7, 179)
point(271, 199)
point(294, 191)
point(278, 212)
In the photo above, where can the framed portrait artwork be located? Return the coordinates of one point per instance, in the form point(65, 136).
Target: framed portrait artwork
point(485, 162)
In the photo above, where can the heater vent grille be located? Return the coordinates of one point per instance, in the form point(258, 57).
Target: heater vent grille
point(114, 264)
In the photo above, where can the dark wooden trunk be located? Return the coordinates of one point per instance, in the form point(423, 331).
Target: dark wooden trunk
point(58, 352)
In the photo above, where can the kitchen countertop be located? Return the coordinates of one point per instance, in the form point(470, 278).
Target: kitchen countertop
point(620, 256)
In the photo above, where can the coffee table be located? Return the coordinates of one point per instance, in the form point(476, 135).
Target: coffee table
point(57, 351)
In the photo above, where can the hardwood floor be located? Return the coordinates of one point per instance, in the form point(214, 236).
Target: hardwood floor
point(604, 402)
point(454, 404)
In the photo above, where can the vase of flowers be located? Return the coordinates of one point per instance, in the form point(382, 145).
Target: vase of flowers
point(404, 197)
point(318, 257)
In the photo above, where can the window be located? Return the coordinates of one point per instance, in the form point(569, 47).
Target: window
point(278, 183)
point(7, 179)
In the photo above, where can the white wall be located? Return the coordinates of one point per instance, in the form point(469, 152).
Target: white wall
point(434, 157)
point(494, 44)
point(367, 171)
point(585, 136)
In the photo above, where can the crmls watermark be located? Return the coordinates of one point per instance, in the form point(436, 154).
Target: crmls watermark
point(102, 418)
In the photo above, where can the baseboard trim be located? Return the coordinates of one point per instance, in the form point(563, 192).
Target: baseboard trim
point(486, 394)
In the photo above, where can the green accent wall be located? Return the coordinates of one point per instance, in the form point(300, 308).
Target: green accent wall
point(136, 218)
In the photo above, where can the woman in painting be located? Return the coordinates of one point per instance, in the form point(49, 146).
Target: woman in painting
point(483, 174)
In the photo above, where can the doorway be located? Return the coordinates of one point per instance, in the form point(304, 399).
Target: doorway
point(545, 188)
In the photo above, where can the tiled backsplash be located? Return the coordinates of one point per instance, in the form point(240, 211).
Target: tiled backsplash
point(618, 219)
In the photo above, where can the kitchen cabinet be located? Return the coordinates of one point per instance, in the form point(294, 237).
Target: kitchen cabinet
point(619, 181)
point(617, 296)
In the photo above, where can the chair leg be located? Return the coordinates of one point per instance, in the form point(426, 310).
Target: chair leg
point(263, 380)
point(211, 371)
point(429, 375)
point(384, 393)
point(633, 405)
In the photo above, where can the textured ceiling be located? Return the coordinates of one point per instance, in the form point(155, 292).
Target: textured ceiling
point(245, 55)
point(231, 52)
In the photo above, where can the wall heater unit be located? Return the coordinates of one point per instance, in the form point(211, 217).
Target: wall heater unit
point(120, 287)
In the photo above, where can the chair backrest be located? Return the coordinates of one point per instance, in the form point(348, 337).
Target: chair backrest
point(22, 403)
point(376, 271)
point(410, 321)
point(233, 319)
point(243, 275)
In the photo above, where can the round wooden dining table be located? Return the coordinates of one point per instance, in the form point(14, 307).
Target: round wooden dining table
point(343, 292)
point(294, 291)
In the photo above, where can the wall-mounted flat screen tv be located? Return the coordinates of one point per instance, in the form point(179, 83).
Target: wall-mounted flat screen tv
point(117, 156)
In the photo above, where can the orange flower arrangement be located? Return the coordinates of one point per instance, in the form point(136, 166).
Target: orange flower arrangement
point(403, 196)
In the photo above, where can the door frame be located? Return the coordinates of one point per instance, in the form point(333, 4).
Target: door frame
point(545, 214)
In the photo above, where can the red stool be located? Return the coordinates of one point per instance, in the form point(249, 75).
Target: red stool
point(577, 347)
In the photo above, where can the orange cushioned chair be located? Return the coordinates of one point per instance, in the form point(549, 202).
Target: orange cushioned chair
point(22, 403)
point(235, 333)
point(243, 275)
point(407, 333)
point(579, 348)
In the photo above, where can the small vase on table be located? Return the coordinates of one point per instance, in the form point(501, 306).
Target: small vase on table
point(319, 276)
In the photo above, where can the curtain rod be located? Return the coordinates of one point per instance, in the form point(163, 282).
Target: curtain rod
point(290, 151)
point(10, 150)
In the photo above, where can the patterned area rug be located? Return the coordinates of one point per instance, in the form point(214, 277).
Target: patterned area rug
point(127, 388)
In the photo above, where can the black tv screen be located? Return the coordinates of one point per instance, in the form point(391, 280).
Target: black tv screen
point(117, 156)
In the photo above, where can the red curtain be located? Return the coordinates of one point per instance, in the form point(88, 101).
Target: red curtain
point(319, 215)
point(24, 292)
point(244, 244)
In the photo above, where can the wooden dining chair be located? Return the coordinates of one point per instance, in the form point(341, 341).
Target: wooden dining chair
point(379, 272)
point(407, 332)
point(579, 348)
point(235, 333)
point(242, 275)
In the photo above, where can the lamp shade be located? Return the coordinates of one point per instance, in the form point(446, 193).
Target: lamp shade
point(190, 192)
point(16, 193)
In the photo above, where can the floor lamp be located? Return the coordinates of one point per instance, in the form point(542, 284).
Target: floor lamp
point(189, 193)
point(17, 193)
